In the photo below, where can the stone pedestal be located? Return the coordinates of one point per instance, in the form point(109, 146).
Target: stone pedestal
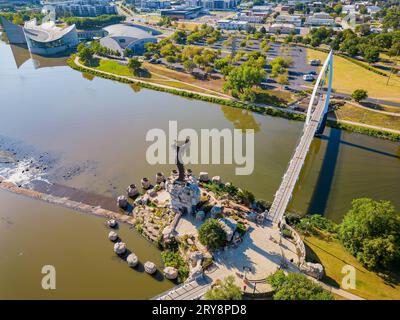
point(145, 183)
point(203, 177)
point(132, 191)
point(170, 273)
point(122, 202)
point(150, 267)
point(113, 236)
point(160, 177)
point(132, 260)
point(216, 180)
point(120, 248)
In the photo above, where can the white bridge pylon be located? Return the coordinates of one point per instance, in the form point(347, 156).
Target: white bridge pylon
point(315, 122)
point(326, 68)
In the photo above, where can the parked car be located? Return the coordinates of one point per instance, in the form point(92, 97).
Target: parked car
point(308, 77)
point(315, 62)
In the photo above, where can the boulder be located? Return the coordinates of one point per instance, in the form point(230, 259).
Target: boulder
point(113, 236)
point(145, 183)
point(132, 260)
point(170, 273)
point(196, 256)
point(150, 267)
point(203, 177)
point(122, 202)
point(216, 180)
point(112, 223)
point(120, 248)
point(132, 191)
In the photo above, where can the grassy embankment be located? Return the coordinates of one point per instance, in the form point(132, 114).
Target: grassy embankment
point(333, 256)
point(356, 114)
point(88, 71)
point(348, 76)
point(120, 71)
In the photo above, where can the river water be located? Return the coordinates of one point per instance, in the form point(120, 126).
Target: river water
point(91, 131)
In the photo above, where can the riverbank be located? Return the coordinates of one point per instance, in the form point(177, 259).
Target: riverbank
point(260, 109)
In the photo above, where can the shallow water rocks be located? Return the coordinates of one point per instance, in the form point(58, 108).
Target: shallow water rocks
point(112, 223)
point(150, 267)
point(170, 273)
point(145, 183)
point(132, 191)
point(113, 236)
point(216, 180)
point(132, 260)
point(203, 177)
point(122, 202)
point(120, 248)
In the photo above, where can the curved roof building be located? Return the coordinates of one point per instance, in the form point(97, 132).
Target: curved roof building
point(48, 39)
point(122, 36)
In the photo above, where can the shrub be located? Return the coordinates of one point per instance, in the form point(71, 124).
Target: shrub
point(174, 259)
point(370, 231)
point(211, 234)
point(224, 290)
point(296, 286)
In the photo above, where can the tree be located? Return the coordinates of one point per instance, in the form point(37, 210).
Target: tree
point(128, 52)
point(338, 8)
point(392, 18)
point(134, 65)
point(296, 286)
point(189, 65)
point(359, 94)
point(224, 290)
point(211, 234)
point(371, 54)
point(179, 37)
point(370, 230)
point(85, 55)
point(243, 78)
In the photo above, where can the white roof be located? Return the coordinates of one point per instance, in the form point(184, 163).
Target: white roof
point(124, 30)
point(45, 32)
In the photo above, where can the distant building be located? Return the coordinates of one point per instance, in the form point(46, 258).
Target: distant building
point(182, 12)
point(83, 8)
point(227, 24)
point(44, 39)
point(213, 4)
point(292, 19)
point(373, 9)
point(283, 28)
point(155, 4)
point(249, 18)
point(348, 8)
point(122, 36)
point(320, 19)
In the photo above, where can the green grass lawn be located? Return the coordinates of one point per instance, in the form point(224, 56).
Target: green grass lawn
point(113, 66)
point(353, 113)
point(348, 76)
point(333, 256)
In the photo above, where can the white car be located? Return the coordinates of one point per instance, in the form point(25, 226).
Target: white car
point(308, 77)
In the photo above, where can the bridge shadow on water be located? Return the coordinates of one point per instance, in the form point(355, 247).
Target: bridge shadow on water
point(322, 189)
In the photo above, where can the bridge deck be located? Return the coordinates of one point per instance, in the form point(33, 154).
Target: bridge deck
point(284, 193)
point(192, 290)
